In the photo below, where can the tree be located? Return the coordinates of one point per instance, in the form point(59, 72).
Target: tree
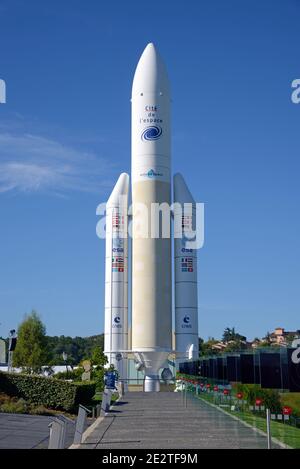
point(200, 344)
point(207, 348)
point(77, 348)
point(31, 352)
point(291, 337)
point(98, 357)
point(99, 360)
point(229, 334)
point(234, 346)
point(267, 340)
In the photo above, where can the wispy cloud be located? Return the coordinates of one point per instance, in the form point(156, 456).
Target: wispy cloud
point(31, 163)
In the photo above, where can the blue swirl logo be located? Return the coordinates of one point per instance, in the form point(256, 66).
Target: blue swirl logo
point(151, 133)
point(186, 319)
point(117, 319)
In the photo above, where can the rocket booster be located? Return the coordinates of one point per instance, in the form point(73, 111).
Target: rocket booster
point(116, 277)
point(185, 266)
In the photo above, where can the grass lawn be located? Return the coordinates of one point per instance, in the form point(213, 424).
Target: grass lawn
point(98, 398)
point(283, 432)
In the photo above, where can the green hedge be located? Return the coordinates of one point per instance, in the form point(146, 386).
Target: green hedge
point(49, 392)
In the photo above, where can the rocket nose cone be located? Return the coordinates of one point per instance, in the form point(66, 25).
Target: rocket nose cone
point(151, 74)
point(150, 45)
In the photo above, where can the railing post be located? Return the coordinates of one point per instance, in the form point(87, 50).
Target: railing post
point(106, 398)
point(57, 434)
point(269, 438)
point(80, 424)
point(121, 388)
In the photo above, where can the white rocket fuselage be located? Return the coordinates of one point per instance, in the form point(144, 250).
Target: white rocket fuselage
point(151, 256)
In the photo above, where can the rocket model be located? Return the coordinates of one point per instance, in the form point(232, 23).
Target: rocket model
point(151, 263)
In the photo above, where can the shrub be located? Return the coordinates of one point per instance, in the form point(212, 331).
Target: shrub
point(291, 399)
point(97, 376)
point(20, 406)
point(40, 410)
point(14, 406)
point(49, 392)
point(251, 392)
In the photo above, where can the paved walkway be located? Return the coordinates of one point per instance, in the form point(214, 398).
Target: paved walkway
point(18, 431)
point(160, 420)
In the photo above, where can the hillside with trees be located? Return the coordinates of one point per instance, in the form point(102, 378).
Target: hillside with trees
point(76, 348)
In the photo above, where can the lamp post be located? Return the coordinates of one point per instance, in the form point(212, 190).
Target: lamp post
point(65, 358)
point(11, 347)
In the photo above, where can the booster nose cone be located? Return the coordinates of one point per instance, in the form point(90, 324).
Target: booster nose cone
point(151, 75)
point(120, 189)
point(181, 191)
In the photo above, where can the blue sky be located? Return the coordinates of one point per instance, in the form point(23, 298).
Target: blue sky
point(65, 137)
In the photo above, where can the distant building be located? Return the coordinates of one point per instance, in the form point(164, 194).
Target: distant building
point(220, 346)
point(282, 337)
